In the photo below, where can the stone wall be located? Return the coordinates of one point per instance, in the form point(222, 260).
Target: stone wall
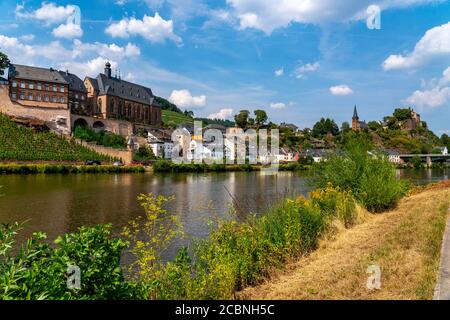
point(124, 154)
point(123, 128)
point(58, 120)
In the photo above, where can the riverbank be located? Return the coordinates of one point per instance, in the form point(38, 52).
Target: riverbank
point(168, 166)
point(66, 169)
point(404, 242)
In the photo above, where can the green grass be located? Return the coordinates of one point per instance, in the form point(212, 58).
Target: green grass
point(175, 118)
point(24, 144)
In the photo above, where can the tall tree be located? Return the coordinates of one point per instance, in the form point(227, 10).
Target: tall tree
point(4, 63)
point(260, 117)
point(325, 126)
point(241, 119)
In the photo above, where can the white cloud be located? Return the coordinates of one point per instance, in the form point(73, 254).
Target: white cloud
point(279, 72)
point(27, 37)
point(341, 90)
point(278, 105)
point(111, 51)
point(435, 43)
point(90, 68)
point(435, 95)
point(154, 29)
point(300, 72)
point(269, 15)
point(68, 31)
point(223, 114)
point(50, 13)
point(184, 98)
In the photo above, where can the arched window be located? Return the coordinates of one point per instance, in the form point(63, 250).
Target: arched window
point(121, 113)
point(111, 106)
point(99, 106)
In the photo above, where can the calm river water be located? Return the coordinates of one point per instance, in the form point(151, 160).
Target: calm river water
point(58, 204)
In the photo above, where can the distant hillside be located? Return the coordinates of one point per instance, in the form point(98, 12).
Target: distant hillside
point(172, 118)
point(18, 143)
point(167, 105)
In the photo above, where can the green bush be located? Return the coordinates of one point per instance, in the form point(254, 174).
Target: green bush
point(370, 176)
point(39, 271)
point(106, 139)
point(65, 169)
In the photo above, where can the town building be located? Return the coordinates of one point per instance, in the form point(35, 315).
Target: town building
point(113, 98)
point(356, 124)
point(77, 93)
point(38, 87)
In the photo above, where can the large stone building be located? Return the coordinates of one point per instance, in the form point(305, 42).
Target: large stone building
point(113, 98)
point(38, 87)
point(77, 93)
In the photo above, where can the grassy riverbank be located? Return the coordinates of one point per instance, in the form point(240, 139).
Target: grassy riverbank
point(404, 242)
point(168, 166)
point(66, 169)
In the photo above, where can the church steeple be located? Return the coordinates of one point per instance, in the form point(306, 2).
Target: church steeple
point(355, 113)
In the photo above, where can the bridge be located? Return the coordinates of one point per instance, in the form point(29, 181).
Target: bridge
point(426, 157)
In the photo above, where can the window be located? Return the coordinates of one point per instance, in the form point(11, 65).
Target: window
point(38, 97)
point(76, 95)
point(13, 96)
point(46, 87)
point(22, 85)
point(22, 96)
point(63, 100)
point(83, 97)
point(31, 85)
point(46, 97)
point(30, 96)
point(39, 86)
point(55, 88)
point(62, 89)
point(14, 84)
point(54, 99)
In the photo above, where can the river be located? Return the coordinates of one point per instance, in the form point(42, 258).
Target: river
point(57, 204)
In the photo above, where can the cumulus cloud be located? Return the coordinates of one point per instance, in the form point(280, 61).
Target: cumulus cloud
point(184, 98)
point(90, 68)
point(50, 13)
point(341, 90)
point(68, 31)
point(435, 43)
point(279, 72)
point(112, 51)
point(223, 114)
point(278, 105)
point(300, 72)
point(436, 93)
point(155, 29)
point(269, 15)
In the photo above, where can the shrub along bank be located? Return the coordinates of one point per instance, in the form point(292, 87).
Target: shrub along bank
point(65, 169)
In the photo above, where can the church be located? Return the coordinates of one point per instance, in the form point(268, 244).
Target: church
point(356, 124)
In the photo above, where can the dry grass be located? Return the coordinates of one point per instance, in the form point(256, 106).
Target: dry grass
point(405, 243)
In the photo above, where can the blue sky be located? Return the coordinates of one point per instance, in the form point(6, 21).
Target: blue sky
point(299, 60)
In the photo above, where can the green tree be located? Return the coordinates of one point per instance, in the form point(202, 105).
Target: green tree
point(325, 126)
point(4, 63)
point(374, 125)
point(402, 114)
point(445, 139)
point(242, 118)
point(260, 117)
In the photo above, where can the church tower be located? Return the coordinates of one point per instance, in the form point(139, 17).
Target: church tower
point(355, 120)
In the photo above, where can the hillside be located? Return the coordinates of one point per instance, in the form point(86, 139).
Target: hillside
point(173, 118)
point(25, 144)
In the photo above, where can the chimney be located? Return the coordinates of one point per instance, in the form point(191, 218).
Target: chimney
point(108, 70)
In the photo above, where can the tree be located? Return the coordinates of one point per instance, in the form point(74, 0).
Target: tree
point(4, 63)
point(345, 127)
point(260, 117)
point(445, 139)
point(241, 119)
point(402, 114)
point(374, 125)
point(325, 126)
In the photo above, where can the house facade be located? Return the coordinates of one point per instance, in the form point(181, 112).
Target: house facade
point(38, 87)
point(113, 98)
point(77, 93)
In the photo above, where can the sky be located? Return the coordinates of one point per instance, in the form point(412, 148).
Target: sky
point(299, 60)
